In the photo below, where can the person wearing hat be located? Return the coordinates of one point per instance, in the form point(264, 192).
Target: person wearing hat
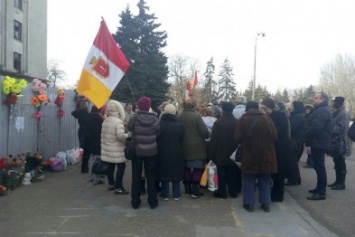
point(317, 135)
point(221, 147)
point(170, 153)
point(144, 126)
point(282, 147)
point(341, 143)
point(257, 135)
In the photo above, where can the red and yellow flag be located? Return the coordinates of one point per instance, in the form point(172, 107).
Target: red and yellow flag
point(190, 86)
point(103, 69)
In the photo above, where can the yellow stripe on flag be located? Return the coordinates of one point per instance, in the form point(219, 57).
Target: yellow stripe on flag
point(92, 88)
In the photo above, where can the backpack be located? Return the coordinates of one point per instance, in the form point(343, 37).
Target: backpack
point(351, 132)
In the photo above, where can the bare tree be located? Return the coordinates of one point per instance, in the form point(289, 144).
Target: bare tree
point(181, 69)
point(54, 73)
point(338, 79)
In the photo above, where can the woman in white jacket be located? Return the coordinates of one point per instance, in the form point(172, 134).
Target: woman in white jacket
point(113, 139)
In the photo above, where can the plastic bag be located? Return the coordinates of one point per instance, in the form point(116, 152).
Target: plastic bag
point(74, 156)
point(212, 177)
point(56, 164)
point(62, 155)
point(204, 177)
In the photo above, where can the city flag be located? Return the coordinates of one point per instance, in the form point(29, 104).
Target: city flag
point(103, 69)
point(190, 86)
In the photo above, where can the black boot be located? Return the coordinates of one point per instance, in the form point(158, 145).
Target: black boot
point(341, 184)
point(195, 191)
point(143, 190)
point(337, 173)
point(187, 186)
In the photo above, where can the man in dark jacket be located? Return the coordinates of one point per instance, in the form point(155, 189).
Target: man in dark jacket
point(318, 137)
point(144, 126)
point(222, 145)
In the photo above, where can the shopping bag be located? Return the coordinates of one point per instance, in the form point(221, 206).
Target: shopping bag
point(237, 154)
point(129, 148)
point(212, 177)
point(204, 177)
point(100, 166)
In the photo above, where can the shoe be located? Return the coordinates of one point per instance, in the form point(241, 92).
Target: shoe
point(176, 199)
point(120, 191)
point(316, 197)
point(276, 198)
point(248, 207)
point(135, 205)
point(338, 187)
point(218, 195)
point(153, 206)
point(166, 199)
point(97, 182)
point(312, 191)
point(111, 187)
point(265, 207)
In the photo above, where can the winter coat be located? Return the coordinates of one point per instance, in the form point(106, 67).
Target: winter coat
point(341, 125)
point(195, 133)
point(258, 143)
point(319, 127)
point(113, 136)
point(170, 153)
point(81, 115)
point(297, 120)
point(222, 143)
point(145, 129)
point(93, 134)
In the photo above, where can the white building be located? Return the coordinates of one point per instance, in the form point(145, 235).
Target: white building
point(23, 37)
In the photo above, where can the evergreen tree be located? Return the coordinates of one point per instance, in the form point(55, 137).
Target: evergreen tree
point(226, 85)
point(209, 90)
point(260, 92)
point(141, 42)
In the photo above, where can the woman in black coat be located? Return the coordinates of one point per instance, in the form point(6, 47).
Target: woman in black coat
point(170, 153)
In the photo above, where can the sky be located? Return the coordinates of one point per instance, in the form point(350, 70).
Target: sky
point(301, 36)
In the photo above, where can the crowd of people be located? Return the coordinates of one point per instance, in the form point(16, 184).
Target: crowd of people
point(173, 146)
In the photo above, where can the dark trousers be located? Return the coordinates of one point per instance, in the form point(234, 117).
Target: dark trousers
point(277, 190)
point(85, 158)
point(150, 175)
point(339, 163)
point(318, 164)
point(249, 188)
point(117, 181)
point(228, 176)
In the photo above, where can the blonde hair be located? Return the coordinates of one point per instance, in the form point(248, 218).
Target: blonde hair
point(207, 111)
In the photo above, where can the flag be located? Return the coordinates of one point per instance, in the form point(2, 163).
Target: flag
point(103, 69)
point(190, 86)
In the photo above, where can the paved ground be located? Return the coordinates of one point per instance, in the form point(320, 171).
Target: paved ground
point(65, 204)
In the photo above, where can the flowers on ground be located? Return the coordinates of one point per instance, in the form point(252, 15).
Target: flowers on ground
point(12, 87)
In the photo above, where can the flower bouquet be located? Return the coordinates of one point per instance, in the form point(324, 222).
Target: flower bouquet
point(12, 87)
point(59, 102)
point(39, 98)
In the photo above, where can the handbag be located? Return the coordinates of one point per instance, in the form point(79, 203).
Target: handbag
point(204, 177)
point(351, 132)
point(129, 148)
point(238, 153)
point(100, 167)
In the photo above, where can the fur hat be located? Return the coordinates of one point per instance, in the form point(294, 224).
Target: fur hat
point(114, 108)
point(339, 100)
point(269, 102)
point(251, 105)
point(144, 103)
point(227, 106)
point(169, 109)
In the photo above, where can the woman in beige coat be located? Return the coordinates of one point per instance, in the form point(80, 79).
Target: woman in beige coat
point(113, 139)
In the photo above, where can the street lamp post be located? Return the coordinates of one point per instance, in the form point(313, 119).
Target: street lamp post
point(261, 34)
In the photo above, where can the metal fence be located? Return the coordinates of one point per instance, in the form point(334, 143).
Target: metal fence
point(21, 132)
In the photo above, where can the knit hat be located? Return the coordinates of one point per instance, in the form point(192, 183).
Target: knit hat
point(339, 100)
point(144, 103)
point(227, 106)
point(170, 109)
point(269, 102)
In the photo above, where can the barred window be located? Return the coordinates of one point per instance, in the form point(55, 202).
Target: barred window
point(17, 30)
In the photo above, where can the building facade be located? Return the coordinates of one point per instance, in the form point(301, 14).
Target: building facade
point(23, 37)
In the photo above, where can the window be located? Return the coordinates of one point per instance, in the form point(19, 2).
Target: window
point(17, 62)
point(17, 30)
point(18, 4)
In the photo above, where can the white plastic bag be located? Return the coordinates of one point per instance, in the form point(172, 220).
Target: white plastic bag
point(74, 156)
point(63, 156)
point(212, 177)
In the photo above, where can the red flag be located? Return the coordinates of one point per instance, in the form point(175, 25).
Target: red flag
point(190, 86)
